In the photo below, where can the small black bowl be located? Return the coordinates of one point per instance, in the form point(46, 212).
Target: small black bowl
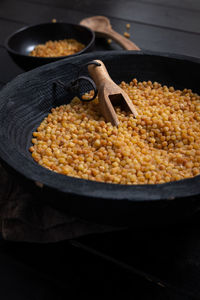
point(21, 42)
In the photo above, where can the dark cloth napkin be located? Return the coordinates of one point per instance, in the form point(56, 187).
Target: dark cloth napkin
point(25, 219)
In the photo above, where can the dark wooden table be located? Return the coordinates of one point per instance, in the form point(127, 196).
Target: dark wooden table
point(145, 264)
point(159, 25)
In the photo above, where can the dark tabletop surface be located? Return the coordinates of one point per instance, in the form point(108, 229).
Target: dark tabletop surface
point(149, 263)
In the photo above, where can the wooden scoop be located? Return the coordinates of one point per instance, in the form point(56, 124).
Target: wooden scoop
point(101, 25)
point(109, 93)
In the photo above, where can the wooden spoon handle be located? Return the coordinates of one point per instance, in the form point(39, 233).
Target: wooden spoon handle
point(120, 39)
point(99, 73)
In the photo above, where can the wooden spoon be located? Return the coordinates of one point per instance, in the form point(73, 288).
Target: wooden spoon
point(109, 93)
point(101, 25)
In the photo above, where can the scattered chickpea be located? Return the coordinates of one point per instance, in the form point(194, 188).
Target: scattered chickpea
point(161, 145)
point(128, 26)
point(109, 41)
point(127, 35)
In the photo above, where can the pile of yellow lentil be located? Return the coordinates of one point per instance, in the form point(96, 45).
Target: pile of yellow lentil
point(162, 144)
point(57, 48)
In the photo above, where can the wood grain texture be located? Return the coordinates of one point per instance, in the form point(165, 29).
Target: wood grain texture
point(40, 277)
point(175, 248)
point(180, 4)
point(101, 26)
point(145, 36)
point(147, 13)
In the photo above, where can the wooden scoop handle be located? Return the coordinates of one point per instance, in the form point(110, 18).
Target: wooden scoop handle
point(105, 87)
point(99, 73)
point(120, 39)
point(109, 92)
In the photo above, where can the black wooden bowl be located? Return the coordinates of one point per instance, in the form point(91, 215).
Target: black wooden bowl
point(20, 43)
point(25, 102)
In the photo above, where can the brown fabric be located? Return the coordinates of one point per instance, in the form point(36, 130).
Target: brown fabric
point(24, 219)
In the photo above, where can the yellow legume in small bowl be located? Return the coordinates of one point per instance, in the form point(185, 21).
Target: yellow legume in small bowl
point(57, 48)
point(161, 145)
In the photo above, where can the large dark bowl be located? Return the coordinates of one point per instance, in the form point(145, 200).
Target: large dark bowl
point(25, 102)
point(21, 42)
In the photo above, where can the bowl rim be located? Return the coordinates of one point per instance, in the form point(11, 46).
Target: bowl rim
point(185, 188)
point(9, 49)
